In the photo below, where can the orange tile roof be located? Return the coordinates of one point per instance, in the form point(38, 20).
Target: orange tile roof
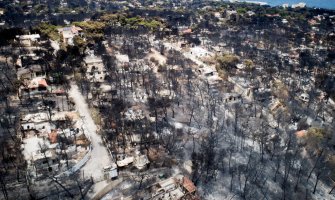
point(187, 31)
point(42, 82)
point(53, 136)
point(301, 133)
point(188, 185)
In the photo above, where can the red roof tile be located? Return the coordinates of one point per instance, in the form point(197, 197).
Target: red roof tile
point(188, 185)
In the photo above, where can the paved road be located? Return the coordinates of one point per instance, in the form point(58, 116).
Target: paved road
point(99, 155)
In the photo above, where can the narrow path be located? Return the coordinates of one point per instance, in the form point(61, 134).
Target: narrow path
point(99, 155)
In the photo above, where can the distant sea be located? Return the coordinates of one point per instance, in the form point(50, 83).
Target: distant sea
point(328, 4)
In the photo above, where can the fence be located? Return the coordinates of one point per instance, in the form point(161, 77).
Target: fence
point(77, 166)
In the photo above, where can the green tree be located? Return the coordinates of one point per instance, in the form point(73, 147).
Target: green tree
point(228, 61)
point(315, 138)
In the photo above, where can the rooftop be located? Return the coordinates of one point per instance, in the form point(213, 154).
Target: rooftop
point(141, 161)
point(188, 185)
point(122, 58)
point(38, 82)
point(36, 117)
point(29, 37)
point(70, 29)
point(92, 59)
point(53, 136)
point(125, 162)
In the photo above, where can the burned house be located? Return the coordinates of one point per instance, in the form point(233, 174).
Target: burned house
point(28, 40)
point(242, 86)
point(30, 72)
point(38, 122)
point(36, 86)
point(96, 71)
point(175, 188)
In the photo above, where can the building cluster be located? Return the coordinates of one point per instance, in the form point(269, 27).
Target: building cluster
point(158, 99)
point(248, 83)
point(52, 134)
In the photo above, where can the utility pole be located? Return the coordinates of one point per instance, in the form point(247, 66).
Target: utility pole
point(63, 187)
point(81, 192)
